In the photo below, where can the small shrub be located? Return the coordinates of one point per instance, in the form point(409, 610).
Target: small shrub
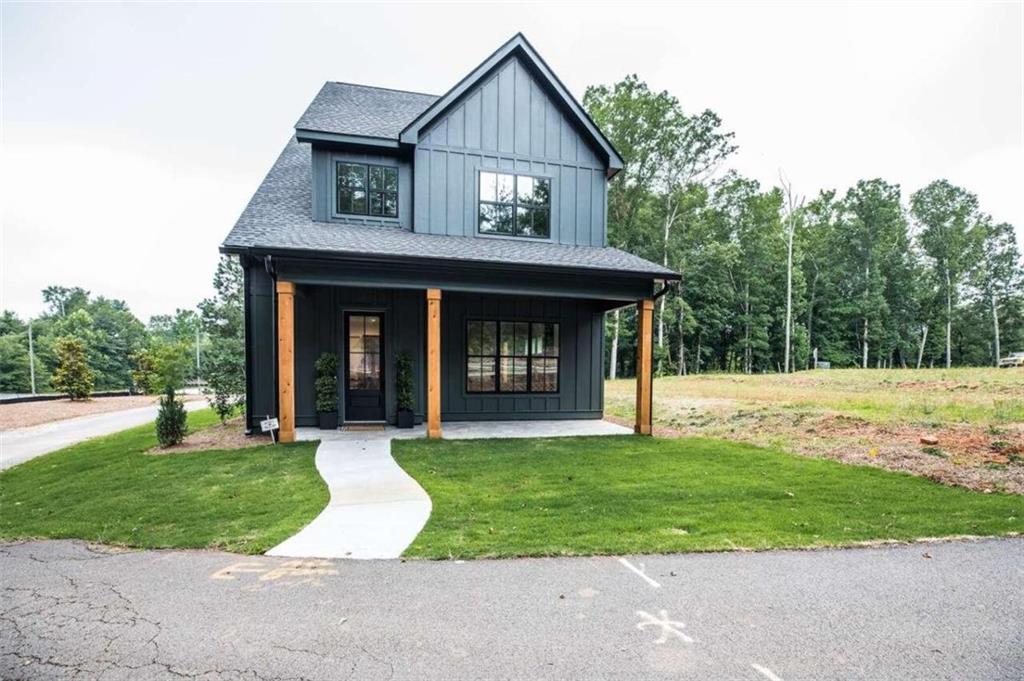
point(73, 376)
point(934, 451)
point(326, 384)
point(171, 421)
point(403, 381)
point(224, 373)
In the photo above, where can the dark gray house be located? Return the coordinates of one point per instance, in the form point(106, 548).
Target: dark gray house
point(468, 230)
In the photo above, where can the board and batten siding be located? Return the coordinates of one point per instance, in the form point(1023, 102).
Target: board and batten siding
point(509, 123)
point(324, 187)
point(580, 381)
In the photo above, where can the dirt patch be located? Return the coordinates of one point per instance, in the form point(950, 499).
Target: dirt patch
point(25, 414)
point(980, 458)
point(230, 435)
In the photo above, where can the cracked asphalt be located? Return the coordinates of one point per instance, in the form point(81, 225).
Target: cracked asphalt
point(926, 611)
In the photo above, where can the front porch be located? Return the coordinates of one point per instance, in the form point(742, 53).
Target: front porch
point(476, 357)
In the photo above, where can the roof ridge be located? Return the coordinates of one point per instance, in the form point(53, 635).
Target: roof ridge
point(389, 89)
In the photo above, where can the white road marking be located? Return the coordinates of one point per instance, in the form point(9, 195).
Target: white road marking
point(640, 572)
point(667, 626)
point(767, 672)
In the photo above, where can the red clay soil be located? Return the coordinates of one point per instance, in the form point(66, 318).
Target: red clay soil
point(974, 457)
point(24, 414)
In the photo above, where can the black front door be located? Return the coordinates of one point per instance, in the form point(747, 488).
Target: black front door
point(364, 367)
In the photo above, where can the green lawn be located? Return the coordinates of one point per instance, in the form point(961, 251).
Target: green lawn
point(627, 494)
point(108, 490)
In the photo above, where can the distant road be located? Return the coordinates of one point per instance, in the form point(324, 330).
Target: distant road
point(22, 444)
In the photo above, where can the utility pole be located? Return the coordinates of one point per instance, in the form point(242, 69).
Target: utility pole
point(31, 358)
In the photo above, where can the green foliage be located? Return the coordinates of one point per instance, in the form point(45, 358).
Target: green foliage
point(73, 377)
point(14, 369)
point(223, 322)
point(163, 365)
point(870, 287)
point(171, 420)
point(109, 490)
point(403, 381)
point(326, 383)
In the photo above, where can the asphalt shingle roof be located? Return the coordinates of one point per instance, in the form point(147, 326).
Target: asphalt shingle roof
point(349, 109)
point(278, 217)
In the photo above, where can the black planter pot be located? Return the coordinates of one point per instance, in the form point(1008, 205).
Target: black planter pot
point(405, 418)
point(328, 420)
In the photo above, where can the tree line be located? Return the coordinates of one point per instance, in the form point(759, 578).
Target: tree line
point(83, 343)
point(773, 282)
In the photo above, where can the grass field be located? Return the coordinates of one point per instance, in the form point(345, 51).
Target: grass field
point(110, 490)
point(627, 494)
point(873, 416)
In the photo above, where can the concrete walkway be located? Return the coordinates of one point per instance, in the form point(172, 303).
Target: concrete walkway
point(376, 509)
point(22, 444)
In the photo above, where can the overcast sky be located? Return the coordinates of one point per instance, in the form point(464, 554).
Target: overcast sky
point(133, 135)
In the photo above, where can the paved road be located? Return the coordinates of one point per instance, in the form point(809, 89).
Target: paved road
point(22, 444)
point(938, 611)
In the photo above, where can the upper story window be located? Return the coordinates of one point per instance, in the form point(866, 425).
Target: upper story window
point(515, 205)
point(365, 189)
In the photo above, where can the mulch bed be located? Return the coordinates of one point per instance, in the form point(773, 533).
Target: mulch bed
point(230, 435)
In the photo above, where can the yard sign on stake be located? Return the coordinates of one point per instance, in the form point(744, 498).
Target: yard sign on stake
point(270, 425)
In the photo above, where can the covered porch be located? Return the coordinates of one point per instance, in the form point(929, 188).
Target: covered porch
point(485, 346)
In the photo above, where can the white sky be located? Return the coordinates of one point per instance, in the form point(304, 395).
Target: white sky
point(133, 135)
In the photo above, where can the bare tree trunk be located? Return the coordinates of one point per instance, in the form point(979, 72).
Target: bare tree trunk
point(995, 327)
point(949, 322)
point(864, 361)
point(748, 364)
point(696, 358)
point(681, 369)
point(920, 346)
point(613, 360)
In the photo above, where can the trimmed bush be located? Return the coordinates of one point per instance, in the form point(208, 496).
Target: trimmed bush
point(171, 421)
point(327, 383)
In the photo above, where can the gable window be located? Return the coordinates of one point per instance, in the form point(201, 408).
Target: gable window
point(511, 357)
point(365, 189)
point(514, 205)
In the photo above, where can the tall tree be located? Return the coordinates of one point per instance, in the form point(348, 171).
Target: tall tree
point(950, 234)
point(643, 126)
point(998, 278)
point(223, 321)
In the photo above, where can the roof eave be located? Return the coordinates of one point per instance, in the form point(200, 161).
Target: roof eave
point(320, 136)
point(259, 251)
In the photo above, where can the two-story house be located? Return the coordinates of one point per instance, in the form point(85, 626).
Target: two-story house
point(468, 230)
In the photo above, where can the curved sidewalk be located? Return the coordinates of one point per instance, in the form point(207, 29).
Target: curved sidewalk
point(376, 508)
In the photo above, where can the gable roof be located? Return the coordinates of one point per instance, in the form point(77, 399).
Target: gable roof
point(519, 46)
point(278, 220)
point(362, 111)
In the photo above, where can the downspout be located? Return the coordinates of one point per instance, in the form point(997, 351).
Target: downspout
point(268, 265)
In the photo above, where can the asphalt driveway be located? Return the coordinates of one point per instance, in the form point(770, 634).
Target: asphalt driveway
point(926, 611)
point(22, 444)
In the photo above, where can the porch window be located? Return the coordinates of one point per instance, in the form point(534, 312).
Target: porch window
point(511, 357)
point(514, 205)
point(365, 189)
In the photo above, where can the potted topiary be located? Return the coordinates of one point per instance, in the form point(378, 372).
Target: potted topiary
point(327, 390)
point(403, 390)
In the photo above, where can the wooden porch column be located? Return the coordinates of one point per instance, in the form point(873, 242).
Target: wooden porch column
point(433, 362)
point(644, 350)
point(286, 360)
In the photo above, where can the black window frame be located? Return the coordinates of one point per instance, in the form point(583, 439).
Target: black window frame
point(514, 205)
point(367, 189)
point(497, 356)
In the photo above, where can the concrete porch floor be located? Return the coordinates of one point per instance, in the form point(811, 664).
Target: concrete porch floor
point(376, 509)
point(474, 430)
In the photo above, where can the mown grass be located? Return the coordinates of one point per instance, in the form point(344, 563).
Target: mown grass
point(614, 495)
point(939, 396)
point(109, 490)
